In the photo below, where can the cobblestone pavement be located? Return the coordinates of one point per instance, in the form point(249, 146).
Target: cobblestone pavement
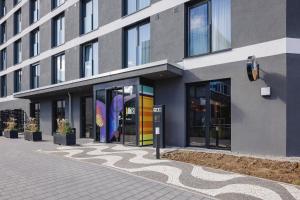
point(216, 183)
point(26, 173)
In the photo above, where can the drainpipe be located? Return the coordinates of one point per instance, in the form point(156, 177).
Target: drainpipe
point(70, 109)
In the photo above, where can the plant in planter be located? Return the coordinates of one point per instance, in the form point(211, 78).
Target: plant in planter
point(11, 128)
point(32, 132)
point(64, 135)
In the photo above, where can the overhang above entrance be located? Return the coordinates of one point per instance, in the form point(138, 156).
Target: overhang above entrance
point(153, 71)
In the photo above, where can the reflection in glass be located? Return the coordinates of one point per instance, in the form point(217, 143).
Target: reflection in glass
point(101, 116)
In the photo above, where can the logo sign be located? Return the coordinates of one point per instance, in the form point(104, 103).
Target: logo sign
point(252, 68)
point(156, 110)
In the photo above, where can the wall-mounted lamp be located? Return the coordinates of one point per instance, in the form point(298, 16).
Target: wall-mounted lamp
point(252, 68)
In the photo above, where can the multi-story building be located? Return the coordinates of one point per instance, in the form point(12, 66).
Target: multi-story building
point(104, 64)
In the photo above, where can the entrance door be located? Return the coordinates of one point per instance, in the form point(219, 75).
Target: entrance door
point(87, 117)
point(209, 114)
point(116, 115)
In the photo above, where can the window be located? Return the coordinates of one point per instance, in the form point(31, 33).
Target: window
point(59, 68)
point(138, 45)
point(56, 3)
point(3, 86)
point(132, 6)
point(17, 1)
point(59, 112)
point(18, 51)
point(89, 15)
point(34, 10)
point(59, 30)
point(90, 59)
point(3, 59)
point(18, 22)
point(35, 43)
point(3, 32)
point(35, 76)
point(209, 29)
point(18, 81)
point(35, 110)
point(2, 8)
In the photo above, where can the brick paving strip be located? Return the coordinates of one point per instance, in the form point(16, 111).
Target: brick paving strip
point(26, 173)
point(141, 162)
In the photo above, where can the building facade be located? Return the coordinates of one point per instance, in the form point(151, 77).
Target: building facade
point(104, 64)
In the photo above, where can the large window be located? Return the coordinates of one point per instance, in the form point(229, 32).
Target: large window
point(59, 68)
point(18, 81)
point(90, 59)
point(35, 76)
point(2, 8)
point(132, 6)
point(35, 110)
point(3, 32)
point(59, 30)
point(3, 86)
point(34, 10)
point(3, 59)
point(56, 3)
point(17, 1)
point(209, 27)
point(18, 51)
point(89, 15)
point(138, 45)
point(59, 112)
point(35, 43)
point(18, 22)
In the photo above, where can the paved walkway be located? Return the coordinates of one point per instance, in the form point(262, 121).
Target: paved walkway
point(28, 173)
point(216, 183)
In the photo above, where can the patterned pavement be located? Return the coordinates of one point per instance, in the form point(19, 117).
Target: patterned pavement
point(215, 183)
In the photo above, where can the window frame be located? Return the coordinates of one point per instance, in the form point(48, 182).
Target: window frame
point(125, 7)
point(16, 52)
point(3, 62)
point(3, 91)
point(32, 42)
point(18, 80)
point(82, 24)
point(3, 8)
point(32, 20)
point(17, 28)
point(194, 4)
point(54, 6)
point(33, 69)
point(82, 52)
point(3, 30)
point(60, 17)
point(54, 68)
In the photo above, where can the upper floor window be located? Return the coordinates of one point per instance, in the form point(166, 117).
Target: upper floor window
point(59, 68)
point(90, 59)
point(3, 59)
point(89, 15)
point(35, 76)
point(132, 6)
point(18, 81)
point(2, 8)
point(34, 10)
point(18, 52)
point(3, 32)
point(3, 86)
point(209, 34)
point(17, 1)
point(35, 43)
point(18, 22)
point(59, 30)
point(138, 45)
point(56, 3)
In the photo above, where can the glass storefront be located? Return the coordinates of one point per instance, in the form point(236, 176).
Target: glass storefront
point(209, 114)
point(123, 114)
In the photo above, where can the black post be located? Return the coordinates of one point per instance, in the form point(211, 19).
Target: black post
point(158, 146)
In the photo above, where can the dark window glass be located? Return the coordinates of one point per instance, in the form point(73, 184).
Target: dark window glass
point(3, 60)
point(17, 1)
point(3, 86)
point(59, 68)
point(132, 6)
point(18, 22)
point(59, 112)
point(18, 81)
point(2, 8)
point(56, 3)
point(90, 59)
point(35, 43)
point(18, 51)
point(34, 10)
point(35, 76)
point(3, 32)
point(209, 27)
point(138, 45)
point(89, 15)
point(35, 109)
point(58, 30)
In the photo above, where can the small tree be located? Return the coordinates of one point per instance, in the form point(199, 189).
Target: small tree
point(32, 125)
point(11, 124)
point(63, 126)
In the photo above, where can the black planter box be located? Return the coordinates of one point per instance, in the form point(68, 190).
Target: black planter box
point(33, 136)
point(68, 139)
point(11, 134)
